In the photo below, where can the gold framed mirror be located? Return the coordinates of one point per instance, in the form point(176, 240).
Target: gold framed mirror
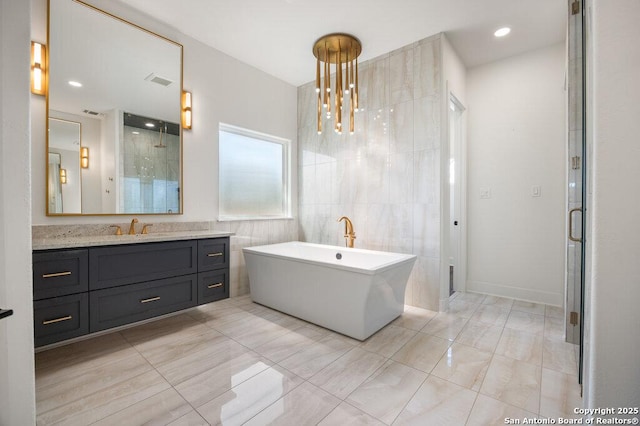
point(122, 85)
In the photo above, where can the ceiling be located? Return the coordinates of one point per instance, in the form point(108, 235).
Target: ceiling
point(277, 36)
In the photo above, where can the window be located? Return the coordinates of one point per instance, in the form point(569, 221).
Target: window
point(254, 175)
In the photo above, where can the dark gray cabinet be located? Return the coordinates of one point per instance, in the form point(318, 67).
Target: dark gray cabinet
point(120, 265)
point(60, 272)
point(80, 291)
point(130, 303)
point(60, 318)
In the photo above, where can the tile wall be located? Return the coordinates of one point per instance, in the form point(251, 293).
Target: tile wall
point(385, 177)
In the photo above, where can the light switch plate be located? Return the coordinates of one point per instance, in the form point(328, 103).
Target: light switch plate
point(485, 193)
point(536, 191)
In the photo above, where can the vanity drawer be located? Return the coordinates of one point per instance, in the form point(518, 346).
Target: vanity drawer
point(123, 305)
point(60, 318)
point(120, 265)
point(213, 254)
point(213, 286)
point(58, 273)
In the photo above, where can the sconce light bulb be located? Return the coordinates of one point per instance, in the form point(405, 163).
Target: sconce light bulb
point(37, 77)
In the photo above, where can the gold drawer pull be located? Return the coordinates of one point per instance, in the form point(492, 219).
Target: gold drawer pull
point(152, 299)
point(57, 274)
point(53, 321)
point(215, 285)
point(215, 254)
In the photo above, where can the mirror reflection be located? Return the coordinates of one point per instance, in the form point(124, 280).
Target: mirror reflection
point(65, 189)
point(121, 85)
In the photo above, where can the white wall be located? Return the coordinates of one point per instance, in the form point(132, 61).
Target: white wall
point(224, 90)
point(516, 139)
point(454, 71)
point(613, 348)
point(17, 387)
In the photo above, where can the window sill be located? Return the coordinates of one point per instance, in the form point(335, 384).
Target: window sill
point(254, 218)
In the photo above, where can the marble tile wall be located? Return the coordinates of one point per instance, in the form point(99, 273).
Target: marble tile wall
point(385, 177)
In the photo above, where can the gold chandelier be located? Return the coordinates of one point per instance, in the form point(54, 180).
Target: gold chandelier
point(341, 50)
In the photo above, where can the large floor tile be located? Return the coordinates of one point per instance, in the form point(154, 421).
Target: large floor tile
point(290, 343)
point(87, 352)
point(95, 406)
point(414, 318)
point(463, 365)
point(524, 321)
point(481, 336)
point(560, 356)
point(422, 352)
point(213, 382)
point(157, 333)
point(560, 394)
point(344, 375)
point(180, 347)
point(520, 345)
point(438, 402)
point(190, 419)
point(491, 412)
point(462, 308)
point(470, 297)
point(162, 408)
point(347, 415)
point(554, 328)
point(445, 325)
point(554, 311)
point(83, 363)
point(305, 405)
point(316, 356)
point(218, 350)
point(386, 393)
point(498, 302)
point(86, 382)
point(513, 382)
point(388, 340)
point(247, 399)
point(492, 315)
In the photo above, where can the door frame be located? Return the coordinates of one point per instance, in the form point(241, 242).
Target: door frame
point(459, 198)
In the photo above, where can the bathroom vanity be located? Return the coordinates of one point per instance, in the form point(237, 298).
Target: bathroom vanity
point(81, 288)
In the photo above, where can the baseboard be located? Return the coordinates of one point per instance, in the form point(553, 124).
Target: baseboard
point(536, 296)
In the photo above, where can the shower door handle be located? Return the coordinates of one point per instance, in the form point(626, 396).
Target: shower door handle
point(571, 212)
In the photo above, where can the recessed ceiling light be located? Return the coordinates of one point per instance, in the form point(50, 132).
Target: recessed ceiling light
point(149, 124)
point(502, 32)
point(136, 133)
point(75, 83)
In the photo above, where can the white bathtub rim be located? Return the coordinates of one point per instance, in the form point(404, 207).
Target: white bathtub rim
point(399, 258)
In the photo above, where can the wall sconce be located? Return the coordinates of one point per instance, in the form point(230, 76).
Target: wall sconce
point(38, 69)
point(186, 110)
point(84, 157)
point(63, 175)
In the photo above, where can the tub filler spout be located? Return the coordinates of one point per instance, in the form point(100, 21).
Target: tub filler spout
point(349, 233)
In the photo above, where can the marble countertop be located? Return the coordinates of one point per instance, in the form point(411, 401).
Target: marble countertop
point(110, 240)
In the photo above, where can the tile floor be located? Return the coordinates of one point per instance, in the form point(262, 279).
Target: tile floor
point(234, 362)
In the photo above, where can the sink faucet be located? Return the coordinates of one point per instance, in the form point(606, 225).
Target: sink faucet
point(349, 233)
point(132, 228)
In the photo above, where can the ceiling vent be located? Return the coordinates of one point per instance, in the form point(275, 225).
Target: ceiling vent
point(86, 111)
point(154, 78)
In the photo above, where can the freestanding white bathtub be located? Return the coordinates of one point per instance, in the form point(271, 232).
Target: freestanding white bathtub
point(352, 291)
